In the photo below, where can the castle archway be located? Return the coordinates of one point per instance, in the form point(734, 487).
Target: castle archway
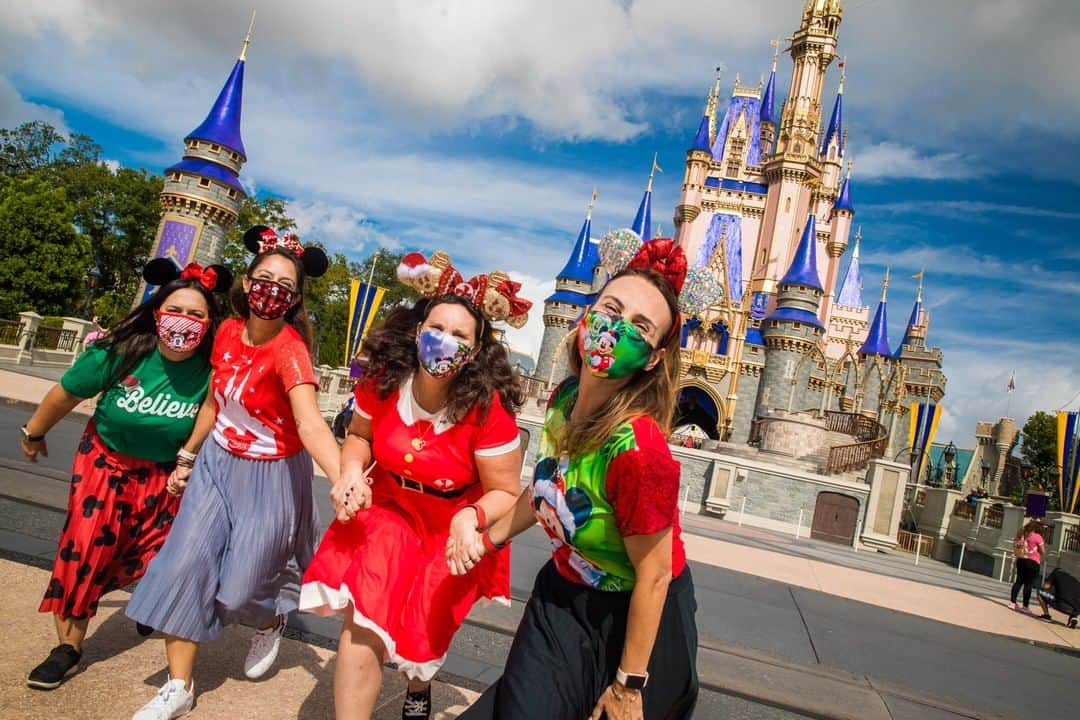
point(699, 405)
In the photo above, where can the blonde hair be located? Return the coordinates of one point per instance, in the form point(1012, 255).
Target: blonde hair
point(650, 392)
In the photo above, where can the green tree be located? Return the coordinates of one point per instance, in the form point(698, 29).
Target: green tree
point(1040, 449)
point(28, 148)
point(42, 256)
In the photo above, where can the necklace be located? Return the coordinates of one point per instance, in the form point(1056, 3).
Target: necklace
point(419, 442)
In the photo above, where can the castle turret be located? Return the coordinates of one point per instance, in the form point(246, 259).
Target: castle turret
point(875, 356)
point(850, 294)
point(915, 332)
point(573, 292)
point(697, 166)
point(877, 340)
point(201, 197)
point(840, 229)
point(767, 114)
point(643, 220)
point(793, 328)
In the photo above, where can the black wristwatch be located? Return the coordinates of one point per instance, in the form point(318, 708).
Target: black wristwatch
point(30, 438)
point(631, 681)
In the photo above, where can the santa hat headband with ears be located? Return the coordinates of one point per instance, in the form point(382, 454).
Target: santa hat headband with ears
point(495, 295)
point(697, 287)
point(261, 239)
point(162, 271)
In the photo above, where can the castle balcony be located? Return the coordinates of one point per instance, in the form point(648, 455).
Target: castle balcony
point(714, 366)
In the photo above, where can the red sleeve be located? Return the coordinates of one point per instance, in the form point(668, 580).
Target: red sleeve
point(498, 434)
point(643, 483)
point(367, 398)
point(294, 363)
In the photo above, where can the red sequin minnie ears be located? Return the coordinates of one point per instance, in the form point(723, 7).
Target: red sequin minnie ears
point(494, 294)
point(261, 239)
point(162, 271)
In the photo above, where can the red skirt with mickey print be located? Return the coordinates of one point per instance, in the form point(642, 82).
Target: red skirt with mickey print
point(118, 516)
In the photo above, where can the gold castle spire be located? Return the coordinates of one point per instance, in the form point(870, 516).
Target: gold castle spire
point(652, 173)
point(247, 38)
point(592, 203)
point(885, 285)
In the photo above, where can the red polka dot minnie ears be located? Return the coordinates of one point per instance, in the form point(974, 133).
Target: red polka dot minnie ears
point(261, 239)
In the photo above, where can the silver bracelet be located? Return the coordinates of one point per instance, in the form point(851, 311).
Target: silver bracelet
point(183, 454)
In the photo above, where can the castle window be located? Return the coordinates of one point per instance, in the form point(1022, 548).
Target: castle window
point(232, 194)
point(735, 154)
point(215, 148)
point(787, 205)
point(204, 182)
point(796, 326)
point(175, 177)
point(235, 156)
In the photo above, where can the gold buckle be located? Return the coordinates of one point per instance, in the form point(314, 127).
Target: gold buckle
point(411, 485)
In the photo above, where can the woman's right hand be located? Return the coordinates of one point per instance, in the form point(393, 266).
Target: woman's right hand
point(31, 449)
point(178, 480)
point(351, 493)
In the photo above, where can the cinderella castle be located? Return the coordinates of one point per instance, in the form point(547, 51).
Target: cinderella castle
point(766, 203)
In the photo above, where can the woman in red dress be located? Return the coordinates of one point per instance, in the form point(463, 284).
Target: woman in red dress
point(432, 452)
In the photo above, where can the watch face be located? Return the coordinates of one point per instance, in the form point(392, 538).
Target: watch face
point(635, 682)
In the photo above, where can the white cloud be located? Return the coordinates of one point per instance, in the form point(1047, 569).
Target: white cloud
point(339, 228)
point(14, 110)
point(527, 339)
point(891, 161)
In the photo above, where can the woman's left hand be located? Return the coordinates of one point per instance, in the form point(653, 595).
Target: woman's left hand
point(619, 704)
point(464, 547)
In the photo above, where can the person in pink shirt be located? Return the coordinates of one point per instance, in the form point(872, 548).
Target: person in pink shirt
point(1028, 548)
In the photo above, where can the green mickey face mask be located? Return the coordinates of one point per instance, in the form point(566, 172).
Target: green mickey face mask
point(610, 346)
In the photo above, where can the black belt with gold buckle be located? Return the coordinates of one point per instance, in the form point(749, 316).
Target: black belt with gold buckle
point(419, 487)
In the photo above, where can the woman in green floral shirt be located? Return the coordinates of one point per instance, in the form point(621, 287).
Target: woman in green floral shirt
point(610, 624)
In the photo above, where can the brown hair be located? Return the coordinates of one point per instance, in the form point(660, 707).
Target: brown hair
point(390, 352)
point(297, 315)
point(649, 392)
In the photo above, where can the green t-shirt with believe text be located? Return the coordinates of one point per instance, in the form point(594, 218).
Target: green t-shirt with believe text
point(150, 411)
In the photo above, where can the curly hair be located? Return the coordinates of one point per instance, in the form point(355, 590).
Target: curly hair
point(297, 315)
point(390, 352)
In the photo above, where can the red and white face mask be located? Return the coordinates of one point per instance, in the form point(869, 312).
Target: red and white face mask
point(269, 300)
point(181, 333)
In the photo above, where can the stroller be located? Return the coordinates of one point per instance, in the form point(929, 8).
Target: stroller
point(1061, 591)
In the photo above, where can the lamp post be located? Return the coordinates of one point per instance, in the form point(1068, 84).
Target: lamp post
point(984, 473)
point(313, 318)
point(93, 277)
point(948, 457)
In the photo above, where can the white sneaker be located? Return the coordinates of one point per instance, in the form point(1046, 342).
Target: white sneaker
point(263, 651)
point(171, 701)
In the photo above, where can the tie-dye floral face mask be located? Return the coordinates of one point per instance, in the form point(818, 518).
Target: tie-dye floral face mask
point(441, 355)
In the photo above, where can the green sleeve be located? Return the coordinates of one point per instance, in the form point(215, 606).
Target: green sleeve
point(90, 373)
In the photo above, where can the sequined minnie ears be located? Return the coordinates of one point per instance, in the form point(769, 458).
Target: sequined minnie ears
point(697, 288)
point(494, 294)
point(162, 271)
point(260, 239)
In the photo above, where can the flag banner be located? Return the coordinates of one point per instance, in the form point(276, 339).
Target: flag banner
point(1068, 462)
point(364, 302)
point(924, 419)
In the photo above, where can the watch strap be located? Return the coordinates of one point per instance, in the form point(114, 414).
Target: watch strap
point(631, 681)
point(31, 438)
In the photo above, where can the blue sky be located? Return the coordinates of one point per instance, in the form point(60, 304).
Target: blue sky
point(481, 128)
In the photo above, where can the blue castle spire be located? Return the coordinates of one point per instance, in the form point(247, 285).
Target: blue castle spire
point(585, 256)
point(877, 340)
point(768, 100)
point(701, 140)
point(843, 200)
point(803, 270)
point(643, 220)
point(836, 123)
point(917, 319)
point(222, 123)
point(851, 291)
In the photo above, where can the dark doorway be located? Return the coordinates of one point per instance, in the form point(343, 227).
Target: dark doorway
point(697, 408)
point(835, 516)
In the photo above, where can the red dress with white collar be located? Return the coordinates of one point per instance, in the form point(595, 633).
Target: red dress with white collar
point(389, 561)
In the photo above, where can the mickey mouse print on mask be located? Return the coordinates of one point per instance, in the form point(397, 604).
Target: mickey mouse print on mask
point(441, 355)
point(611, 346)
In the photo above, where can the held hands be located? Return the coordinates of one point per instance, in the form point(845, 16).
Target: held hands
point(31, 449)
point(465, 545)
point(352, 492)
point(619, 704)
point(178, 480)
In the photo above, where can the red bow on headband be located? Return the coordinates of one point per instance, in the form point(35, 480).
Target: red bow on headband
point(268, 240)
point(509, 290)
point(666, 258)
point(207, 278)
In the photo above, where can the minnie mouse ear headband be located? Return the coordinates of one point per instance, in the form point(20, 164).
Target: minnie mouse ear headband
point(697, 288)
point(260, 239)
point(162, 271)
point(494, 294)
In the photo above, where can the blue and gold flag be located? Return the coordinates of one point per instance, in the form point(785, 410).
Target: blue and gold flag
point(1068, 461)
point(364, 302)
point(923, 426)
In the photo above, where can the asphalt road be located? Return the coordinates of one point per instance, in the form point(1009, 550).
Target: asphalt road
point(993, 674)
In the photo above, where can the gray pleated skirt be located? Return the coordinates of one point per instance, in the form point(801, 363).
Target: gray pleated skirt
point(245, 533)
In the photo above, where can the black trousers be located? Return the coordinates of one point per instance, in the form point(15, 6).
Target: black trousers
point(568, 646)
point(1026, 572)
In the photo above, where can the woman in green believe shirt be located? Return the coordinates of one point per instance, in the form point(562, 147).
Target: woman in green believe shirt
point(151, 373)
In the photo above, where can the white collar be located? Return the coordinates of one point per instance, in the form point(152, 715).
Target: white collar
point(411, 412)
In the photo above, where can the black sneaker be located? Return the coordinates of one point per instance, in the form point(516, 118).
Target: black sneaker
point(144, 630)
point(1072, 622)
point(1045, 616)
point(62, 662)
point(417, 705)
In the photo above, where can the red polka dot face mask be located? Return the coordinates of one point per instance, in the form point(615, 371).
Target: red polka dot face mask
point(269, 300)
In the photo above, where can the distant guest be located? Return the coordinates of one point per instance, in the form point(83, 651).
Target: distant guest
point(1028, 548)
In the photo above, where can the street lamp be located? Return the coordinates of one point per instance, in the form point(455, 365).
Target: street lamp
point(948, 457)
point(984, 469)
point(93, 277)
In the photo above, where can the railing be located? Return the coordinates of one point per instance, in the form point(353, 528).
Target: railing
point(9, 332)
point(964, 510)
point(48, 338)
point(844, 458)
point(994, 516)
point(854, 424)
point(908, 541)
point(1072, 540)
